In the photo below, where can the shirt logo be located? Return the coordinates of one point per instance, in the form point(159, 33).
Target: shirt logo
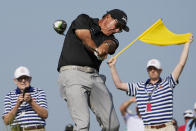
point(160, 86)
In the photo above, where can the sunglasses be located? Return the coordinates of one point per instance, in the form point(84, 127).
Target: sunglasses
point(26, 78)
point(119, 26)
point(188, 113)
point(151, 68)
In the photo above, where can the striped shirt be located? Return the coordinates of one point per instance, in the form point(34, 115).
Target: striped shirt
point(158, 95)
point(25, 116)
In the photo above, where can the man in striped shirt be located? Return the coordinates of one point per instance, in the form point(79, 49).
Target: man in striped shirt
point(25, 107)
point(155, 96)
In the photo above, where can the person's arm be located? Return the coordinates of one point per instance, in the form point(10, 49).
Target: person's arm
point(118, 83)
point(81, 28)
point(85, 36)
point(41, 111)
point(126, 104)
point(178, 69)
point(8, 118)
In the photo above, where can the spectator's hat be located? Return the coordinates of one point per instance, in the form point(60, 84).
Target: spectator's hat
point(155, 63)
point(188, 113)
point(21, 71)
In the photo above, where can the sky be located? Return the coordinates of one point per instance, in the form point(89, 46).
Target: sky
point(27, 39)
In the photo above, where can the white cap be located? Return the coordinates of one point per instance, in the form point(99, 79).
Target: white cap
point(22, 71)
point(188, 113)
point(155, 63)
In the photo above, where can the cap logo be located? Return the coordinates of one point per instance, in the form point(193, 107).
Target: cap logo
point(153, 62)
point(124, 19)
point(22, 70)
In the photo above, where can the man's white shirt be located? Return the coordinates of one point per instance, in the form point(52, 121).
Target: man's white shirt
point(133, 122)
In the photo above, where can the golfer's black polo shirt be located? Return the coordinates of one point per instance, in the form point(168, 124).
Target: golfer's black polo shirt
point(74, 52)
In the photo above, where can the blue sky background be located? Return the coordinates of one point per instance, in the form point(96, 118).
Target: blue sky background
point(27, 38)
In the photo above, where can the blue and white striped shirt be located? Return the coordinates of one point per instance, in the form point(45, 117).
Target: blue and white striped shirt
point(160, 98)
point(26, 116)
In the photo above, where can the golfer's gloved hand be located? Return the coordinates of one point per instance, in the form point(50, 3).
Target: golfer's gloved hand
point(99, 57)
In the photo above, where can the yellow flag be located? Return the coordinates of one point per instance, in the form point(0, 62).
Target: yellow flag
point(158, 34)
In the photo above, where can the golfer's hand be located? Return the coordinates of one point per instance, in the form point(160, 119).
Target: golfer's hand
point(111, 62)
point(27, 97)
point(103, 50)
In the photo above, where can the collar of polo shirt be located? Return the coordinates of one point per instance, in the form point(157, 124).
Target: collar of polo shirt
point(158, 82)
point(18, 91)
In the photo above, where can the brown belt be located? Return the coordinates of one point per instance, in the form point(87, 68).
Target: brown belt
point(158, 126)
point(33, 127)
point(80, 68)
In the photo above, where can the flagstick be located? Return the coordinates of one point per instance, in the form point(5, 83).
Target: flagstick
point(125, 48)
point(149, 29)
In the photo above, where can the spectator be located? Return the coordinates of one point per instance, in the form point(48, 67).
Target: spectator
point(188, 114)
point(26, 106)
point(133, 122)
point(175, 124)
point(191, 124)
point(155, 95)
